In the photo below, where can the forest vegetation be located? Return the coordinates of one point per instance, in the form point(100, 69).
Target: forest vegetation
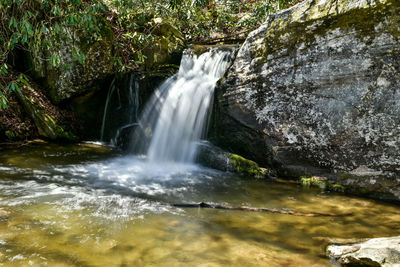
point(28, 26)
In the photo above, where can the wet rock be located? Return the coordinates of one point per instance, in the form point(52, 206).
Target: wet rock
point(89, 108)
point(214, 157)
point(315, 91)
point(197, 50)
point(373, 252)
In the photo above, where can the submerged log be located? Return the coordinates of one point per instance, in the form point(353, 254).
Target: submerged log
point(244, 208)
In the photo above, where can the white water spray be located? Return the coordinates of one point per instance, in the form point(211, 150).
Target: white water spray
point(176, 116)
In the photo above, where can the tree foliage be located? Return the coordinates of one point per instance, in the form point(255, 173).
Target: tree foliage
point(37, 25)
point(33, 25)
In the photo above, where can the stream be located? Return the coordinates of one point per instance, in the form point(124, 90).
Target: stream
point(90, 205)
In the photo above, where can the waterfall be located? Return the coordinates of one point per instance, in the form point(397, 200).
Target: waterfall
point(133, 103)
point(121, 108)
point(109, 94)
point(176, 116)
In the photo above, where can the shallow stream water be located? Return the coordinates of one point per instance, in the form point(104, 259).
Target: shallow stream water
point(87, 205)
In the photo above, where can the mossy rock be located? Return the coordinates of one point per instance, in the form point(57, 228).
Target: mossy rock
point(246, 167)
point(300, 27)
point(166, 48)
point(198, 49)
point(214, 157)
point(323, 183)
point(44, 123)
point(70, 78)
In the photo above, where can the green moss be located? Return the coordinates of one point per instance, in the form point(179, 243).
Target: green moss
point(322, 183)
point(246, 167)
point(46, 125)
point(312, 182)
point(60, 132)
point(166, 47)
point(338, 187)
point(13, 135)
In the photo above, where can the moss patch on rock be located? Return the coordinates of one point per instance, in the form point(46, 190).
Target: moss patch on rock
point(45, 124)
point(30, 114)
point(246, 167)
point(322, 182)
point(166, 47)
point(214, 157)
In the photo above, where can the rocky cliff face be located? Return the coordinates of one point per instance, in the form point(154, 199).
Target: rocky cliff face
point(316, 91)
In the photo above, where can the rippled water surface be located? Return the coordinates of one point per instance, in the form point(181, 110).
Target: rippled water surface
point(85, 205)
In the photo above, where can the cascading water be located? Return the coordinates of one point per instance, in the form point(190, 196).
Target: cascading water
point(122, 107)
point(103, 124)
point(134, 103)
point(176, 116)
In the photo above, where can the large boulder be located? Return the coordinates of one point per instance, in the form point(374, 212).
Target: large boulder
point(373, 252)
point(71, 78)
point(316, 91)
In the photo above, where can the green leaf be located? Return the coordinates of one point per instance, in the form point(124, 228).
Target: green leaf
point(4, 69)
point(81, 58)
point(55, 61)
point(12, 86)
point(3, 101)
point(23, 80)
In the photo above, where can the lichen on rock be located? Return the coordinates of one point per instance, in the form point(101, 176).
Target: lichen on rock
point(315, 91)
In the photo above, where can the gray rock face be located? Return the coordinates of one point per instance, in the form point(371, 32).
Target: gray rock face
point(70, 78)
point(373, 252)
point(316, 91)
